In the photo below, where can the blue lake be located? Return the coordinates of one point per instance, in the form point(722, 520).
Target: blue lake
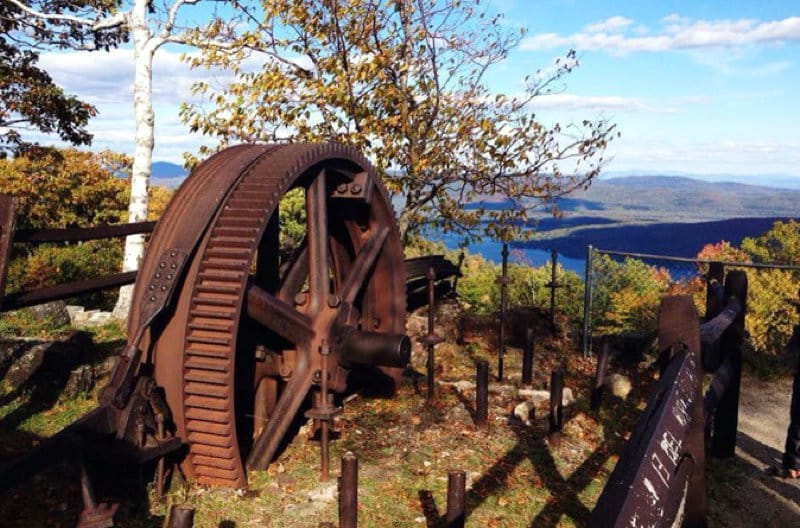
point(492, 250)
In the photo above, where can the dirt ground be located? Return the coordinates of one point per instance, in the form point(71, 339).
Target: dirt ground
point(740, 491)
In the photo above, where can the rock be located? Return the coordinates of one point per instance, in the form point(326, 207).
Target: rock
point(87, 318)
point(25, 366)
point(525, 411)
point(538, 396)
point(47, 363)
point(567, 397)
point(460, 386)
point(535, 396)
point(81, 381)
point(326, 493)
point(619, 385)
point(54, 313)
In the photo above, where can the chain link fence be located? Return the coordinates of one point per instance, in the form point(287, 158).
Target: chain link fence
point(623, 290)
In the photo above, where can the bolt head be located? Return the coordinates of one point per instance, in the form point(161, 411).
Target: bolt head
point(300, 298)
point(334, 301)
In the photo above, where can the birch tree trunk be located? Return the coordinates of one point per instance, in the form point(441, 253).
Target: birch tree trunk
point(144, 47)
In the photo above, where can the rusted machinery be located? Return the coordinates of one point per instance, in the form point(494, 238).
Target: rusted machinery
point(228, 341)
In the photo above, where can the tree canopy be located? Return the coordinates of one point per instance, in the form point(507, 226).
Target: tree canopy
point(29, 99)
point(404, 81)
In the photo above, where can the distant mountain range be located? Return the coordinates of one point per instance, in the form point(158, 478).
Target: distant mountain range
point(631, 196)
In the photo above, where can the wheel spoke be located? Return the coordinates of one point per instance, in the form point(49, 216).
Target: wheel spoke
point(362, 266)
point(278, 316)
point(317, 235)
point(295, 273)
point(273, 432)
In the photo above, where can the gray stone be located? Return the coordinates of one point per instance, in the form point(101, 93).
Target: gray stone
point(535, 396)
point(81, 381)
point(619, 385)
point(525, 412)
point(54, 313)
point(25, 366)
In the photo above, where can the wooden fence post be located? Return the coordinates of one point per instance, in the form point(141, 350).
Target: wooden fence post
point(726, 418)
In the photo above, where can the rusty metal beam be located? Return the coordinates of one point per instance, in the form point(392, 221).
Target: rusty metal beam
point(75, 234)
point(19, 300)
point(278, 316)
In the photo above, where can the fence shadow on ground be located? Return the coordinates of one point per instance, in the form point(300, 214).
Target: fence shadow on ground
point(564, 499)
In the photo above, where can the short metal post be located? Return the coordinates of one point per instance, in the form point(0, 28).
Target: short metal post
point(348, 492)
point(556, 407)
point(553, 261)
point(431, 339)
point(482, 393)
point(587, 301)
point(456, 487)
point(180, 517)
point(324, 437)
point(527, 357)
point(600, 374)
point(503, 307)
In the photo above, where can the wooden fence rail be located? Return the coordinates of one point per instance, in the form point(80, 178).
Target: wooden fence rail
point(659, 478)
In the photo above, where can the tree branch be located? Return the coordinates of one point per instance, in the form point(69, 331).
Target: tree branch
point(117, 20)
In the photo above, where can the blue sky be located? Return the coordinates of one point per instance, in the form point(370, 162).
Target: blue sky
point(697, 87)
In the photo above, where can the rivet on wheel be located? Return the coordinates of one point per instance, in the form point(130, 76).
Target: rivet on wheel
point(334, 301)
point(300, 298)
point(355, 188)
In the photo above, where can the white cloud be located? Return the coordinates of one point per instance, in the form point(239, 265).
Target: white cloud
point(676, 33)
point(611, 103)
point(609, 24)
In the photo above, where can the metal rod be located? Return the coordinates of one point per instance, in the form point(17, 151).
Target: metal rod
point(482, 393)
point(456, 487)
point(556, 407)
point(15, 301)
point(697, 261)
point(553, 263)
point(348, 492)
point(587, 301)
point(161, 462)
point(503, 306)
point(600, 374)
point(431, 276)
point(527, 357)
point(180, 516)
point(87, 492)
point(324, 425)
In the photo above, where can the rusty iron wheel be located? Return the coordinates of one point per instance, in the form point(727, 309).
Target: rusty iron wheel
point(240, 352)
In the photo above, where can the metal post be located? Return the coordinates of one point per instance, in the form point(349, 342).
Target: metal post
point(431, 275)
point(600, 374)
point(324, 424)
point(527, 357)
point(503, 306)
point(482, 393)
point(456, 486)
point(587, 301)
point(180, 517)
point(556, 407)
point(553, 261)
point(348, 492)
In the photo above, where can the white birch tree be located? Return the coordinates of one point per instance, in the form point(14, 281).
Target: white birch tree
point(149, 26)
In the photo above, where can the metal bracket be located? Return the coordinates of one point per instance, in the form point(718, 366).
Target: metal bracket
point(162, 284)
point(360, 188)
